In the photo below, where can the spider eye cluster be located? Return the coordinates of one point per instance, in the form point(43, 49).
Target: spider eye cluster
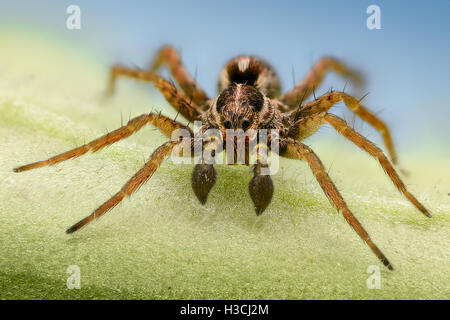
point(245, 124)
point(227, 123)
point(238, 105)
point(244, 96)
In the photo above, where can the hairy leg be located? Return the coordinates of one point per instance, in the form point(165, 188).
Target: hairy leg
point(304, 127)
point(297, 150)
point(177, 99)
point(170, 57)
point(131, 186)
point(325, 102)
point(343, 128)
point(164, 124)
point(305, 87)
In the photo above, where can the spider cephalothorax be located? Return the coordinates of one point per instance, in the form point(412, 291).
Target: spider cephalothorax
point(238, 107)
point(249, 100)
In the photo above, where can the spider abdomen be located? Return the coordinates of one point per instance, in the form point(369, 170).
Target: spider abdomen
point(251, 71)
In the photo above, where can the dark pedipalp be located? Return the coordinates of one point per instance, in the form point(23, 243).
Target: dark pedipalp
point(203, 179)
point(260, 189)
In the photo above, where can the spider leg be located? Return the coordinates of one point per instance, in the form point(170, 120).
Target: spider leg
point(343, 128)
point(325, 102)
point(175, 97)
point(305, 127)
point(164, 124)
point(305, 87)
point(131, 186)
point(169, 56)
point(297, 150)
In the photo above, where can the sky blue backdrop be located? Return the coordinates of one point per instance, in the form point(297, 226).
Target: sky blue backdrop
point(407, 62)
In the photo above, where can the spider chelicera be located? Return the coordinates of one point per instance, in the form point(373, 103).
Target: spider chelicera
point(249, 98)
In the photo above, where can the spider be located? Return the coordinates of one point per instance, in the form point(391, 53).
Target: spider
point(249, 98)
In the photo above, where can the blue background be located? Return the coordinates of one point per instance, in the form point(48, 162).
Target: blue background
point(406, 63)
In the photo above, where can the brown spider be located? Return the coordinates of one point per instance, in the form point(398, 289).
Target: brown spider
point(249, 98)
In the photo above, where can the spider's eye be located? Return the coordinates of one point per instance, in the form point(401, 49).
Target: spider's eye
point(227, 124)
point(245, 124)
